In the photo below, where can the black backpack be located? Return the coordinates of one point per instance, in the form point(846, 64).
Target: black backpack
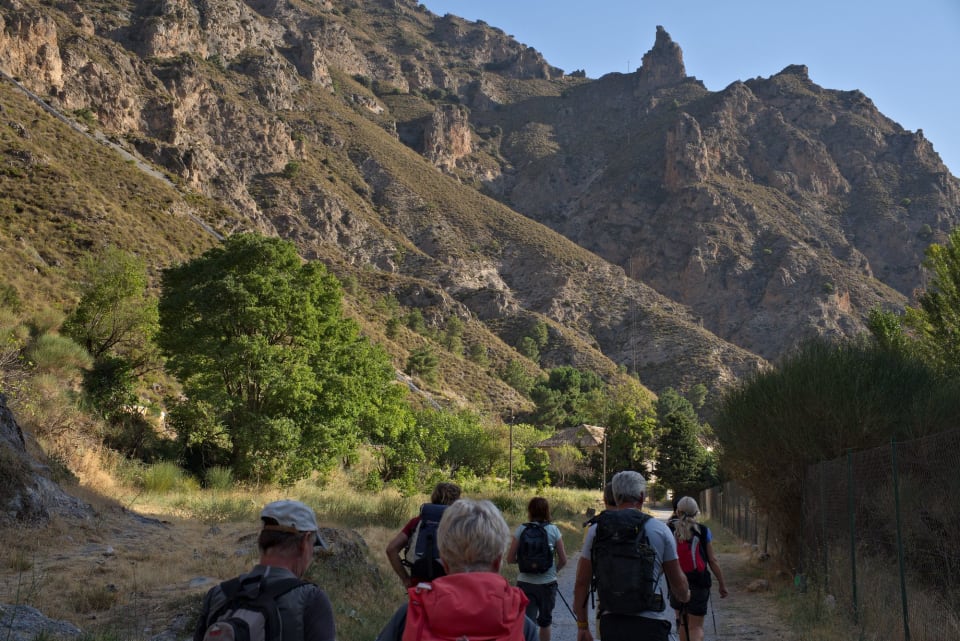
point(626, 570)
point(534, 555)
point(422, 554)
point(250, 612)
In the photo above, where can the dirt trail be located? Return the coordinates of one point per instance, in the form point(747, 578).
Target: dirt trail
point(744, 615)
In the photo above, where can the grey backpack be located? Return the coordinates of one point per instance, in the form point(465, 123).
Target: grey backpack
point(250, 612)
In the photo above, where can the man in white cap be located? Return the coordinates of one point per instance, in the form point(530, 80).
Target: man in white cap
point(287, 543)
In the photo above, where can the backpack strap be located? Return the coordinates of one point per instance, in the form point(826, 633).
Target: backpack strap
point(240, 588)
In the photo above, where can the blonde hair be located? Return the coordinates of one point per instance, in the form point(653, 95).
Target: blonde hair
point(472, 536)
point(687, 511)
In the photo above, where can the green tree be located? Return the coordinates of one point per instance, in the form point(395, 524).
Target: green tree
point(681, 458)
point(453, 337)
point(459, 442)
point(423, 362)
point(566, 397)
point(540, 334)
point(478, 354)
point(820, 401)
point(116, 314)
point(258, 340)
point(516, 376)
point(528, 347)
point(565, 461)
point(936, 321)
point(887, 329)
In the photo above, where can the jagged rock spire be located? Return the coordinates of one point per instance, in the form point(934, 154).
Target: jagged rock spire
point(663, 64)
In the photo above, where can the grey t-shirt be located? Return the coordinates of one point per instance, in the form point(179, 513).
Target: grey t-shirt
point(665, 545)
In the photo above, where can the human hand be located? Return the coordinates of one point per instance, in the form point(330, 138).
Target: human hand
point(723, 591)
point(583, 634)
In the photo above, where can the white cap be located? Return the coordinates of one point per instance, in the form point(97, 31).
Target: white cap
point(292, 516)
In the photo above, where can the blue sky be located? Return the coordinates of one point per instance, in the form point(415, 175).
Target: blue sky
point(904, 55)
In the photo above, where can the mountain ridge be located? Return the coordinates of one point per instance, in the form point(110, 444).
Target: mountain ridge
point(436, 160)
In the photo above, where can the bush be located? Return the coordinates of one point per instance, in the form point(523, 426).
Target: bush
point(218, 477)
point(164, 477)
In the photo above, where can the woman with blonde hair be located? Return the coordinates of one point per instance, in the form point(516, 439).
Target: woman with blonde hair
point(695, 552)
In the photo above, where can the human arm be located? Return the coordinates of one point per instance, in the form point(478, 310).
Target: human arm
point(561, 554)
point(318, 624)
point(677, 580)
point(512, 552)
point(393, 630)
point(581, 592)
point(394, 548)
point(715, 568)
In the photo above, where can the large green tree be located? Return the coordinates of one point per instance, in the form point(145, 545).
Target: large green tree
point(936, 321)
point(568, 397)
point(683, 463)
point(259, 342)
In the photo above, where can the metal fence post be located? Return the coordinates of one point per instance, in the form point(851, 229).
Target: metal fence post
point(853, 534)
point(900, 559)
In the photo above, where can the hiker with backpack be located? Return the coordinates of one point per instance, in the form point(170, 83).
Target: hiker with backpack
point(630, 560)
point(534, 546)
point(696, 557)
point(413, 552)
point(272, 602)
point(472, 601)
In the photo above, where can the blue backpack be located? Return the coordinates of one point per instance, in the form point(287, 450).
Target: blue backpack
point(422, 555)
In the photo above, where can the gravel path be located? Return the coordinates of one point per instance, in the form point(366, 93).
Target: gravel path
point(743, 616)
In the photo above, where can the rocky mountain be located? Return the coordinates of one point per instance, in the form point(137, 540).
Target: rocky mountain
point(654, 226)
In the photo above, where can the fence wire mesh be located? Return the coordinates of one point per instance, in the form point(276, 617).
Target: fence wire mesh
point(734, 507)
point(881, 529)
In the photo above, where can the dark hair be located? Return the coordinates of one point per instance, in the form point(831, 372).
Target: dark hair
point(445, 494)
point(608, 499)
point(539, 509)
point(278, 541)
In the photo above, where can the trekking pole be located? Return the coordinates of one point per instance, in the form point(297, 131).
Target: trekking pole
point(686, 622)
point(713, 614)
point(562, 598)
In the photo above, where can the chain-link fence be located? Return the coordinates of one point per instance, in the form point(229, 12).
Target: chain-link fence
point(734, 508)
point(881, 531)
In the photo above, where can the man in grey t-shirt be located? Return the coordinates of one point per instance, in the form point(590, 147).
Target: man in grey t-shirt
point(629, 488)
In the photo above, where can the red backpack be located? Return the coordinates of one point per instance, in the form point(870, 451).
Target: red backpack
point(474, 605)
point(692, 555)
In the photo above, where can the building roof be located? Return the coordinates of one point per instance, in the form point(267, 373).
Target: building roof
point(586, 436)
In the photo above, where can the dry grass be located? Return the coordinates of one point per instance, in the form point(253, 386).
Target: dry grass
point(126, 575)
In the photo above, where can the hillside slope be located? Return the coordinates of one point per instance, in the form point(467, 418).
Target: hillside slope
point(442, 165)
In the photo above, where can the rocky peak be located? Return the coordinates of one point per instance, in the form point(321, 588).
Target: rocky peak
point(663, 64)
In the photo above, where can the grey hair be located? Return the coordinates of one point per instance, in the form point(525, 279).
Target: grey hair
point(472, 536)
point(628, 486)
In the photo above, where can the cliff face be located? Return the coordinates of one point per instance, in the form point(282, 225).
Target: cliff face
point(775, 209)
point(654, 225)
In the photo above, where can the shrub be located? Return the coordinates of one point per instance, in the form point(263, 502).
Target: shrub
point(218, 477)
point(166, 477)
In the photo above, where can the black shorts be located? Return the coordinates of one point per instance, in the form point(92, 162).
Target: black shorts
point(623, 627)
point(543, 598)
point(697, 605)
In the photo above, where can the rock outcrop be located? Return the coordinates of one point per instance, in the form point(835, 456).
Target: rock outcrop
point(27, 495)
point(663, 64)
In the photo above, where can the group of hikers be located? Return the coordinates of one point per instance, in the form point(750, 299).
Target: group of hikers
point(646, 576)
